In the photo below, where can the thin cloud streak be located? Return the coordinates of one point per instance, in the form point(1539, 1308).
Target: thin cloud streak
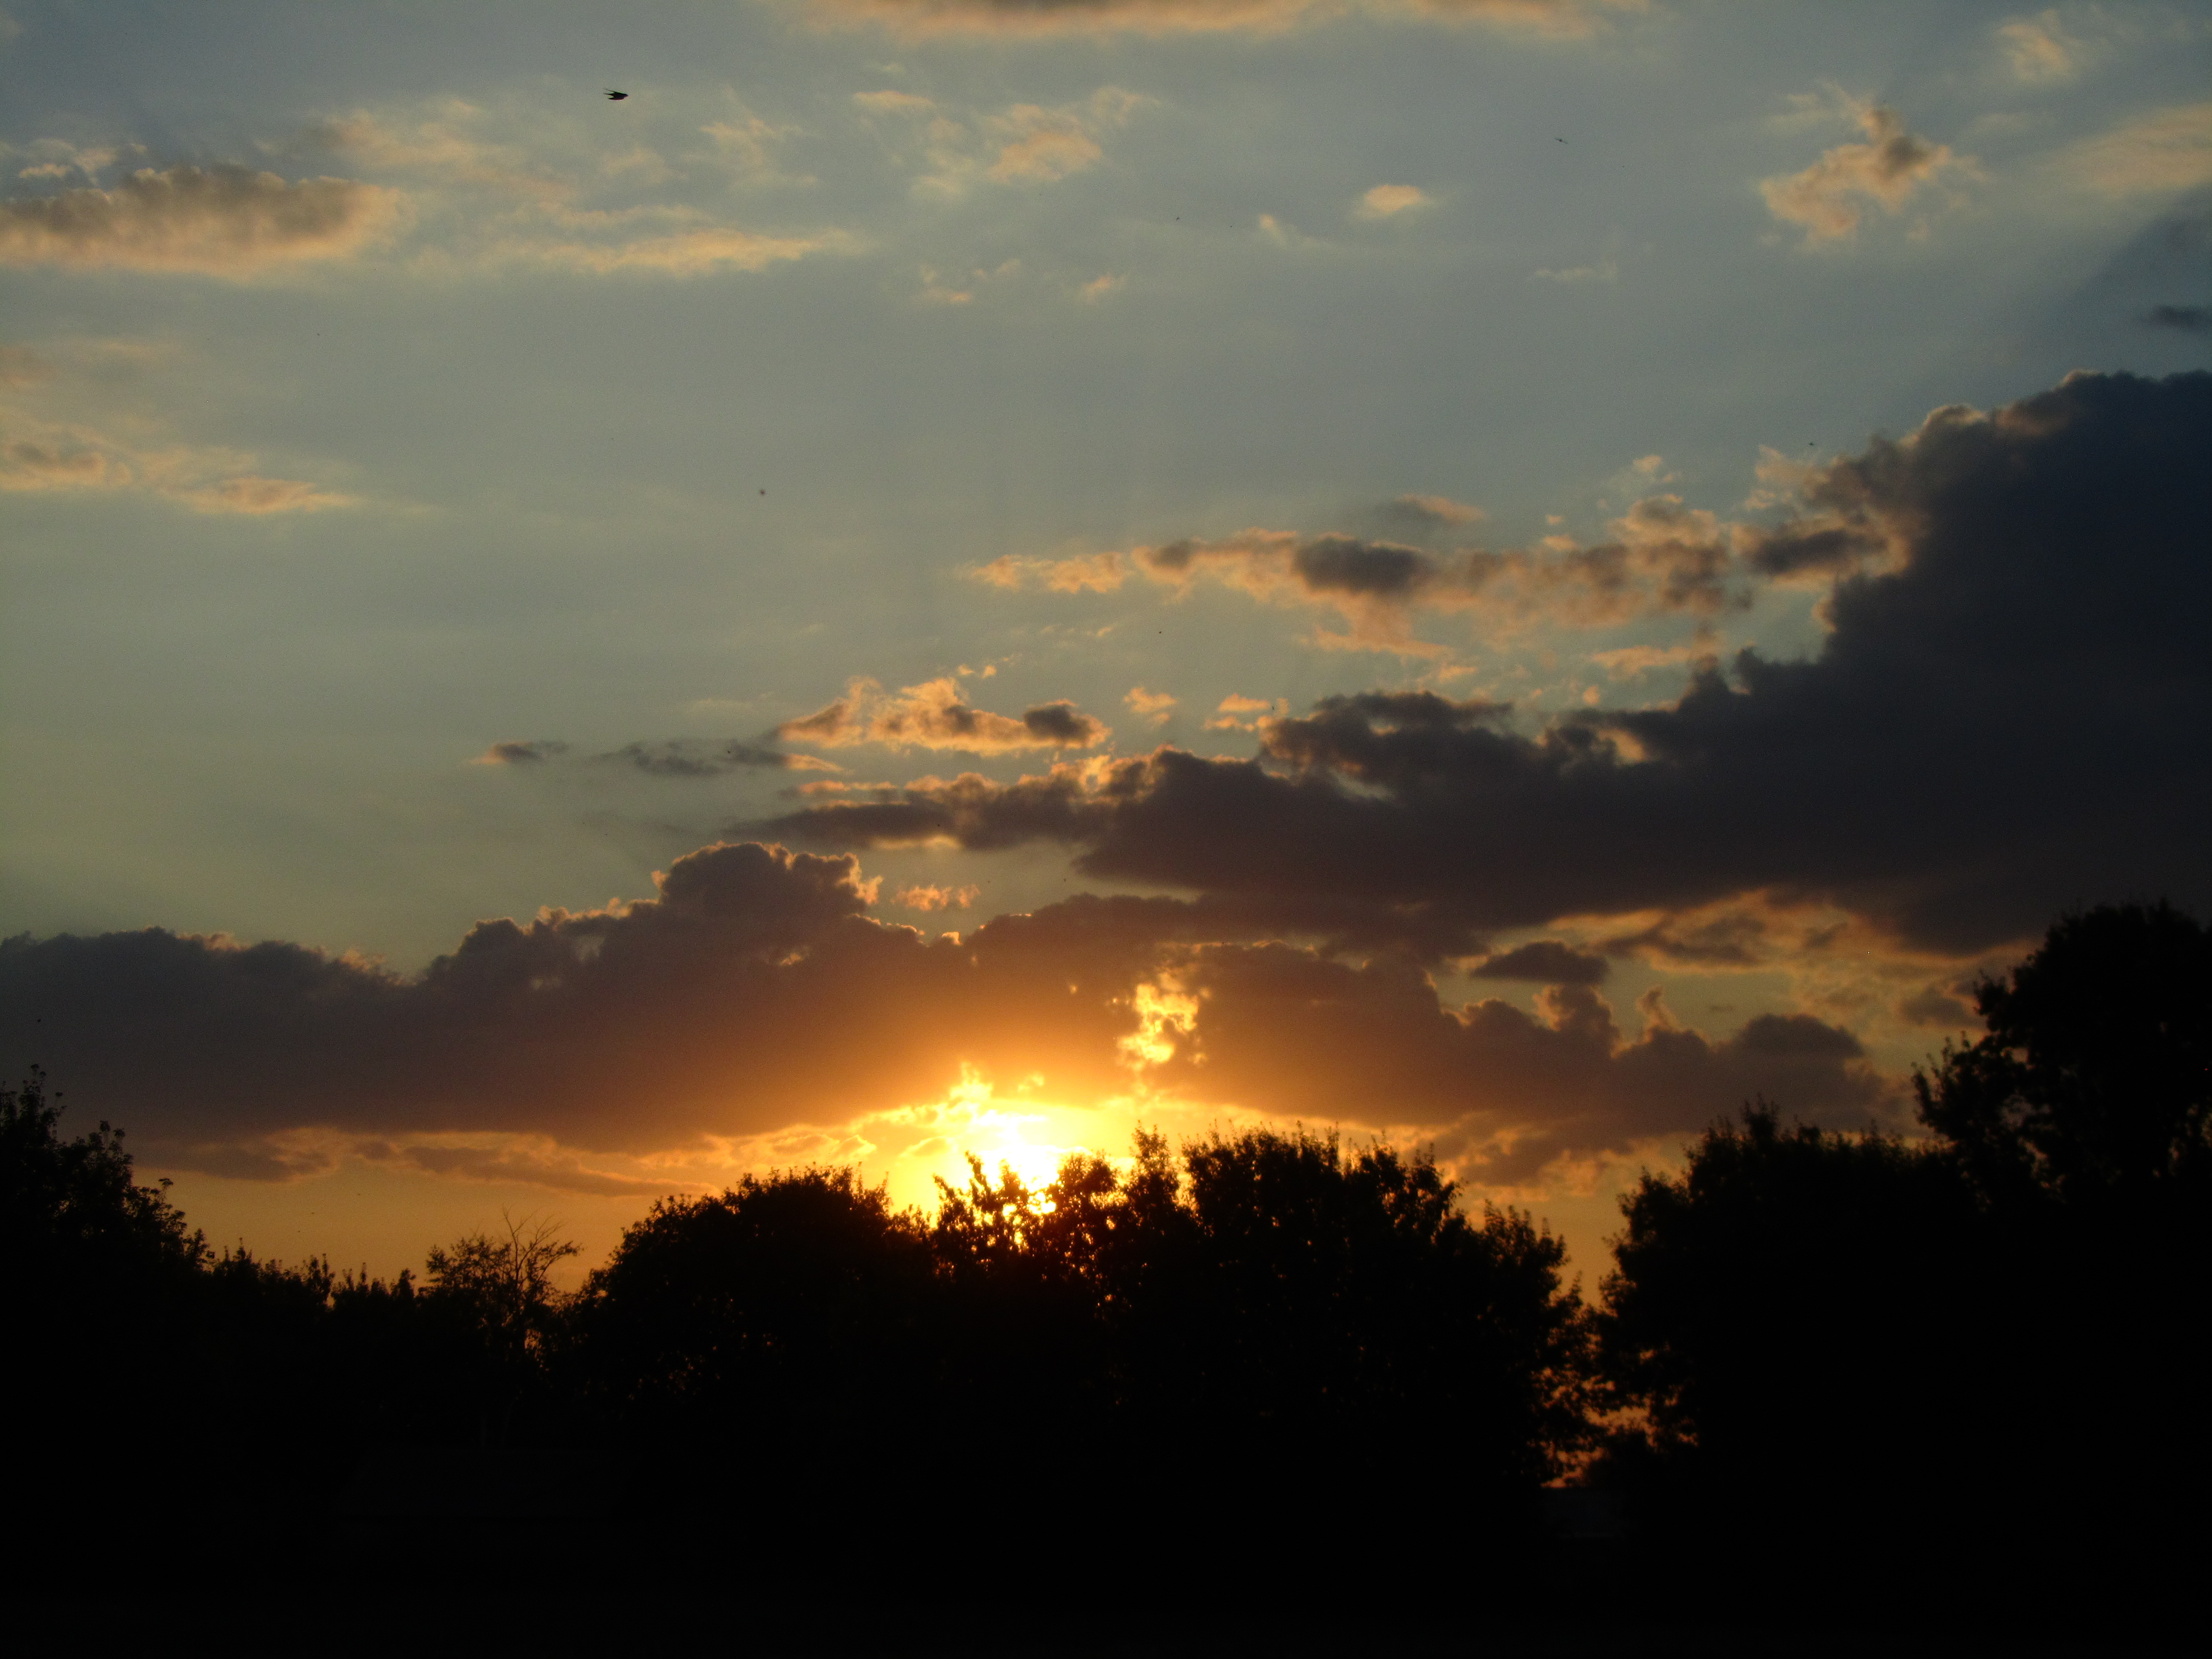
point(222, 221)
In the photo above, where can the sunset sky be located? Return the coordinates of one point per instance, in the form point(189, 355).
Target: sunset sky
point(959, 576)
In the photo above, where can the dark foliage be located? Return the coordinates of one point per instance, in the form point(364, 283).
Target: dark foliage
point(1269, 1329)
point(1971, 1366)
point(1874, 1375)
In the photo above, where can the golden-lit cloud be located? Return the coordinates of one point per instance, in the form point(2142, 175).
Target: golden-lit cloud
point(496, 188)
point(1154, 706)
point(1664, 558)
point(682, 253)
point(2166, 150)
point(1829, 199)
point(2039, 50)
point(753, 1000)
point(930, 896)
point(1540, 17)
point(1045, 145)
point(936, 715)
point(952, 148)
point(1390, 201)
point(220, 220)
point(38, 455)
point(1236, 713)
point(443, 143)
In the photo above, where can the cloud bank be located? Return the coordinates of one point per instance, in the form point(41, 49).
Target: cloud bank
point(754, 995)
point(2006, 718)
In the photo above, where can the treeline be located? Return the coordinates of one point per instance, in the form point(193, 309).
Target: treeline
point(1966, 1364)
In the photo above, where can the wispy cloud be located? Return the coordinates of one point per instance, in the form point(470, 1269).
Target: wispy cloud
point(227, 221)
point(1829, 199)
point(1552, 18)
point(2166, 150)
point(953, 149)
point(38, 455)
point(2039, 50)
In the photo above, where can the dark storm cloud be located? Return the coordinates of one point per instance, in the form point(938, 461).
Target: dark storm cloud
point(754, 994)
point(1507, 1089)
point(1546, 961)
point(2009, 716)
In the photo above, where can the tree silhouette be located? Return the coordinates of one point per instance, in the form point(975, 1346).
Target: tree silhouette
point(1981, 1351)
point(504, 1286)
point(766, 1330)
point(2093, 1086)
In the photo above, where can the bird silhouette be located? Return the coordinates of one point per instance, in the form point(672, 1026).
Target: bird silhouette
point(616, 96)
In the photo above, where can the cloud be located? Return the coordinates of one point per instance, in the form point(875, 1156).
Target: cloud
point(1047, 145)
point(751, 147)
point(443, 145)
point(1158, 17)
point(1098, 573)
point(38, 455)
point(1419, 514)
point(696, 253)
point(1829, 198)
point(1665, 559)
point(935, 716)
point(1606, 270)
point(2190, 319)
point(753, 999)
point(1389, 200)
point(250, 493)
point(2004, 720)
point(1547, 962)
point(217, 221)
point(1024, 144)
point(518, 752)
point(495, 188)
point(1154, 706)
point(703, 757)
point(932, 898)
point(2039, 51)
point(2168, 149)
point(1242, 713)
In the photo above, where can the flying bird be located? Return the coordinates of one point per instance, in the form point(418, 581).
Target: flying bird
point(616, 96)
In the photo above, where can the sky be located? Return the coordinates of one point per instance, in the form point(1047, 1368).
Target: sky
point(955, 577)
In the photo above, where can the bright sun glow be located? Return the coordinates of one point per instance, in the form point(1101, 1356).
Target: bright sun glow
point(972, 1120)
